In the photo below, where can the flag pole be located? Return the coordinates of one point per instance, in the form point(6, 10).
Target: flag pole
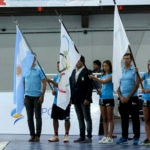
point(61, 21)
point(36, 58)
point(114, 2)
point(129, 47)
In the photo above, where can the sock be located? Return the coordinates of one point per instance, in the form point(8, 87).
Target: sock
point(56, 133)
point(67, 132)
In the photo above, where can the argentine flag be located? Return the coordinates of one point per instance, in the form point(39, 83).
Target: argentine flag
point(22, 63)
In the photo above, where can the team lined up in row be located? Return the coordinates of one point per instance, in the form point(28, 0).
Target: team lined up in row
point(81, 85)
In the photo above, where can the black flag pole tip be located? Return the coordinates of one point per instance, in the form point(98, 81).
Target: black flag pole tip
point(114, 2)
point(59, 16)
point(15, 21)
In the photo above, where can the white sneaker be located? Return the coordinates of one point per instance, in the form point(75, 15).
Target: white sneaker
point(66, 139)
point(102, 140)
point(108, 140)
point(54, 139)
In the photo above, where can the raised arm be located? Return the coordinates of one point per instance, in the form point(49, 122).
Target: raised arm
point(100, 80)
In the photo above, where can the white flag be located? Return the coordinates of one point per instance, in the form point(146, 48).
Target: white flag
point(68, 60)
point(120, 46)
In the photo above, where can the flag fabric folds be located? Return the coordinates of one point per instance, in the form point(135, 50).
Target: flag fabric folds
point(120, 46)
point(68, 59)
point(22, 63)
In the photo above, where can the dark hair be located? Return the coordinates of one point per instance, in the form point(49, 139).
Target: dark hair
point(108, 62)
point(58, 62)
point(129, 54)
point(82, 59)
point(97, 62)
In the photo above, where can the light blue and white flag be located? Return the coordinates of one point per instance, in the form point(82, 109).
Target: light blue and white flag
point(120, 46)
point(68, 60)
point(22, 63)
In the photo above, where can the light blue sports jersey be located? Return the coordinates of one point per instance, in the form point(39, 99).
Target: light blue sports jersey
point(146, 77)
point(127, 81)
point(33, 80)
point(107, 89)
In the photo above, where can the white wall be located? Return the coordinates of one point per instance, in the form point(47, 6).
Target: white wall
point(42, 32)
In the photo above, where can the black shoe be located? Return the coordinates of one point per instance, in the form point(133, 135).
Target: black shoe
point(32, 139)
point(79, 140)
point(36, 139)
point(87, 140)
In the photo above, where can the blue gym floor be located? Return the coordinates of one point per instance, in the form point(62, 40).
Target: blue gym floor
point(20, 142)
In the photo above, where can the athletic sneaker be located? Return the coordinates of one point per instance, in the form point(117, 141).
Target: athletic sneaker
point(66, 139)
point(136, 141)
point(54, 139)
point(146, 142)
point(122, 141)
point(102, 140)
point(109, 140)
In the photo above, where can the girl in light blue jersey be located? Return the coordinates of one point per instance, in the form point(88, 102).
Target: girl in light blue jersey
point(106, 101)
point(146, 103)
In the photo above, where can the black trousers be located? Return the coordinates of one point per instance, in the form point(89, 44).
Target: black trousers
point(126, 109)
point(33, 107)
point(101, 129)
point(84, 114)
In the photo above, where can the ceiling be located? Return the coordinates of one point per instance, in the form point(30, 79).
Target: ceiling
point(34, 11)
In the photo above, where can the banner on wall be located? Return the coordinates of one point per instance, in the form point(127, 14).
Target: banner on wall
point(69, 3)
point(7, 125)
point(21, 127)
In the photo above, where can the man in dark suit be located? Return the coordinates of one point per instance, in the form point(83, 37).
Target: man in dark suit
point(81, 97)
